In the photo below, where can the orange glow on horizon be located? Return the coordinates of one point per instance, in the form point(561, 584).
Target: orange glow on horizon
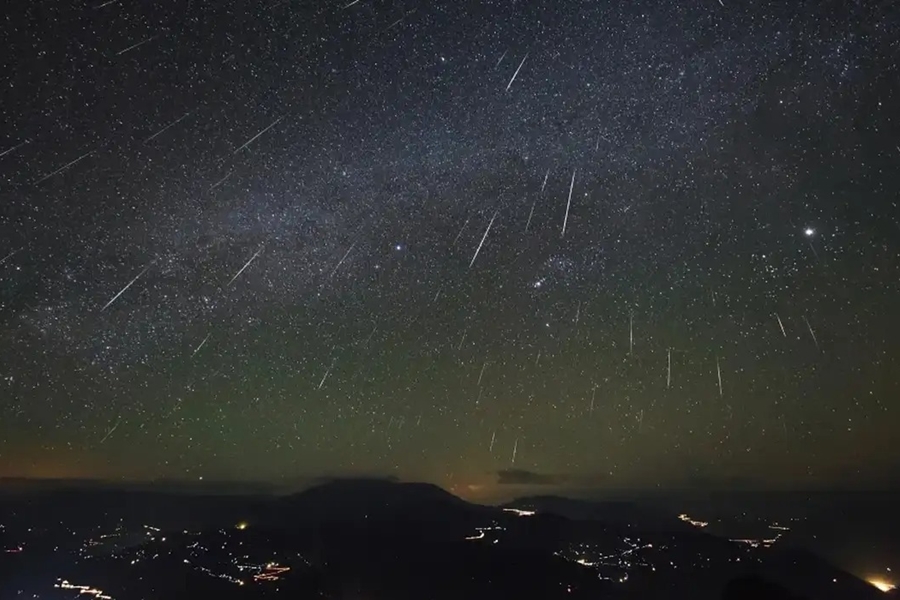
point(881, 584)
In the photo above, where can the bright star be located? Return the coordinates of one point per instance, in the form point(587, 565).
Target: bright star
point(809, 231)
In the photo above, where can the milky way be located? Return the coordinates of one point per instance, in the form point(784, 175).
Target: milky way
point(629, 244)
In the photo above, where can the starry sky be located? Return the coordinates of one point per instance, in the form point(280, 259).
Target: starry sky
point(586, 243)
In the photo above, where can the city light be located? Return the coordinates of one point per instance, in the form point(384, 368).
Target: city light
point(272, 572)
point(83, 589)
point(521, 513)
point(881, 584)
point(687, 519)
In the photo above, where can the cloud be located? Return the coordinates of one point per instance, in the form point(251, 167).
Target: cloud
point(523, 477)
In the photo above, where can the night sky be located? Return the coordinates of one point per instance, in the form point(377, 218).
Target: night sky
point(595, 244)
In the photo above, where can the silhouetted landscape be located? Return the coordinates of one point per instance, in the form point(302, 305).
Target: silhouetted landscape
point(392, 299)
point(385, 539)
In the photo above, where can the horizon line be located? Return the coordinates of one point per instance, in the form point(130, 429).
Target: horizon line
point(311, 481)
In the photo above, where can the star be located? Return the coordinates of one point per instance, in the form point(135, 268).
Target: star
point(239, 236)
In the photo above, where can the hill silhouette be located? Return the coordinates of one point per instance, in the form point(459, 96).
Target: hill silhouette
point(624, 514)
point(372, 500)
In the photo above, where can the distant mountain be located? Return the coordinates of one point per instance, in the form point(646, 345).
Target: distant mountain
point(105, 507)
point(373, 500)
point(624, 514)
point(344, 500)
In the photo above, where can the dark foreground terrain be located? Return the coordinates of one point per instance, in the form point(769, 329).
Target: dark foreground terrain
point(376, 539)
